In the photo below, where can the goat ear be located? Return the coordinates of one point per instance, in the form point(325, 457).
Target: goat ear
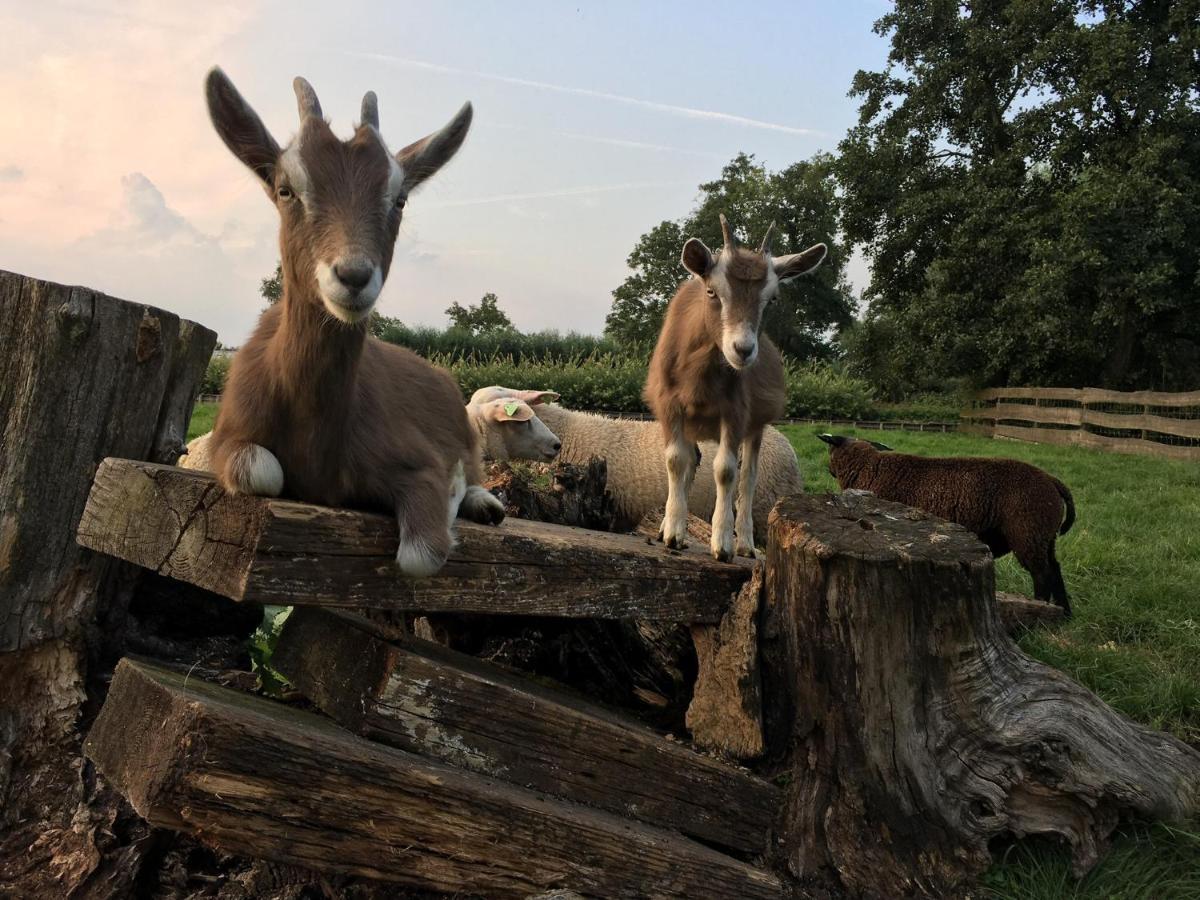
point(509, 410)
point(240, 127)
point(788, 267)
point(533, 398)
point(696, 257)
point(881, 446)
point(833, 440)
point(422, 158)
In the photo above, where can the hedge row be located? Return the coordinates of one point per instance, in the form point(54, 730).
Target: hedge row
point(613, 382)
point(541, 346)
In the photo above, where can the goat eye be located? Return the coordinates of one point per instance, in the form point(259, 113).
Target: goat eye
point(712, 295)
point(400, 201)
point(285, 193)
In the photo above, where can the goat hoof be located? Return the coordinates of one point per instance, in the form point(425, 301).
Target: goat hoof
point(748, 552)
point(482, 506)
point(674, 543)
point(722, 555)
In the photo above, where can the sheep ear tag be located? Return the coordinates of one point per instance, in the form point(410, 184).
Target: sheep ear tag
point(511, 407)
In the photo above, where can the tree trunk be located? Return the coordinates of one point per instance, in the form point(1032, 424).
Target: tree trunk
point(914, 730)
point(82, 376)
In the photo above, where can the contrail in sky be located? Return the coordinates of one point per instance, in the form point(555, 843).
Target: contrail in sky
point(566, 192)
point(685, 111)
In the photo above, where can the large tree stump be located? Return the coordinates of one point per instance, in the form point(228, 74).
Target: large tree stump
point(82, 376)
point(914, 729)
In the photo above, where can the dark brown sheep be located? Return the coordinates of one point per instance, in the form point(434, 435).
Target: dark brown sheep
point(1011, 505)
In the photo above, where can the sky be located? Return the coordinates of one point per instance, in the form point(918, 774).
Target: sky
point(593, 123)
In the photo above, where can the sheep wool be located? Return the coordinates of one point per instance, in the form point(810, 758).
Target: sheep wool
point(637, 477)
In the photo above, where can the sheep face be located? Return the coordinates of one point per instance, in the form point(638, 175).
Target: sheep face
point(525, 436)
point(847, 456)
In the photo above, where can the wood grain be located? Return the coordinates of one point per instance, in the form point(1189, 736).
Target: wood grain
point(424, 698)
point(180, 523)
point(257, 778)
point(916, 731)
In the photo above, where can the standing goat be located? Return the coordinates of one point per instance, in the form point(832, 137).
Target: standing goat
point(714, 377)
point(312, 402)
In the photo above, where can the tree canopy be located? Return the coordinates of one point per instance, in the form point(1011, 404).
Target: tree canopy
point(1025, 177)
point(484, 317)
point(801, 200)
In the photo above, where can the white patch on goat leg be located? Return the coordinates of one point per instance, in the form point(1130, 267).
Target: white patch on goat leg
point(747, 484)
point(681, 469)
point(458, 490)
point(415, 557)
point(256, 471)
point(725, 474)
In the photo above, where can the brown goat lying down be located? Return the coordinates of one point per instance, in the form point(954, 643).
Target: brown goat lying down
point(315, 408)
point(1011, 505)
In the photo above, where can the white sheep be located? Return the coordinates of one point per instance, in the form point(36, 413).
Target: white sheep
point(633, 450)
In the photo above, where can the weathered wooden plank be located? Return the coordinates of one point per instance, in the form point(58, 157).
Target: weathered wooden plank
point(258, 778)
point(1029, 393)
point(1061, 436)
point(424, 698)
point(1146, 398)
point(1138, 446)
point(182, 524)
point(1024, 412)
point(1189, 428)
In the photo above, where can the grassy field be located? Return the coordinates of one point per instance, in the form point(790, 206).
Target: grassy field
point(1132, 567)
point(203, 417)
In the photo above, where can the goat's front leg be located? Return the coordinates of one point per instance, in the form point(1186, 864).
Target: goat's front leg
point(725, 473)
point(681, 469)
point(747, 482)
point(425, 507)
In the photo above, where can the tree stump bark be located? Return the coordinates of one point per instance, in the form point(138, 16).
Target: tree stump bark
point(82, 376)
point(914, 730)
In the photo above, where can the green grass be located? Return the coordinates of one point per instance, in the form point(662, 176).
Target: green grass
point(1132, 567)
point(203, 417)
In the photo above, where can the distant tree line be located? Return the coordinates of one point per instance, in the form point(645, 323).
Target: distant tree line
point(1025, 181)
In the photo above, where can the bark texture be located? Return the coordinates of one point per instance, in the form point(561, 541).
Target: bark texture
point(82, 376)
point(914, 729)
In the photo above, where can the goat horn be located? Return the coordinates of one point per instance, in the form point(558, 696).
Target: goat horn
point(306, 99)
point(765, 246)
point(370, 110)
point(730, 240)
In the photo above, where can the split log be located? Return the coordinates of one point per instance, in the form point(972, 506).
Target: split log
point(914, 729)
point(725, 714)
point(82, 376)
point(429, 700)
point(180, 523)
point(559, 492)
point(263, 779)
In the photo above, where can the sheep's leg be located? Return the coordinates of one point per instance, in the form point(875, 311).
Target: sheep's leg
point(747, 483)
point(249, 468)
point(681, 469)
point(425, 508)
point(1058, 586)
point(725, 470)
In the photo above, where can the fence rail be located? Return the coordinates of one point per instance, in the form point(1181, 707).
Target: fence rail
point(1145, 422)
